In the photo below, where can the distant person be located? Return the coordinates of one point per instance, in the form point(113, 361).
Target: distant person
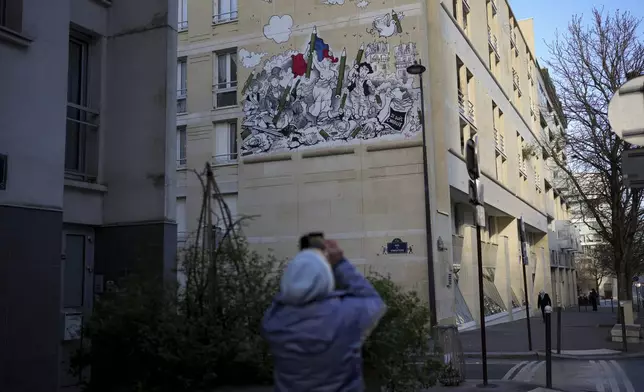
point(594, 299)
point(542, 302)
point(316, 332)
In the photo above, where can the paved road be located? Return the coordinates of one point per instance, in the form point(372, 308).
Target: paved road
point(592, 375)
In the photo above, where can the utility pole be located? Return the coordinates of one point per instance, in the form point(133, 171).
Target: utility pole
point(477, 199)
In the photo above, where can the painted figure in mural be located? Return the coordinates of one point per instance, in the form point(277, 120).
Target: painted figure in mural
point(361, 88)
point(310, 97)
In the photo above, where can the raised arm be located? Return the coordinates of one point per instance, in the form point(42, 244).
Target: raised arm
point(362, 304)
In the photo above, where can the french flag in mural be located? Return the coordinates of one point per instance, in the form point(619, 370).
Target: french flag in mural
point(322, 50)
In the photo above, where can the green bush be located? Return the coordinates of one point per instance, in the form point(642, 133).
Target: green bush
point(151, 338)
point(145, 337)
point(398, 354)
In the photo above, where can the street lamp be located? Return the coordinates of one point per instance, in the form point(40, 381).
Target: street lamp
point(418, 69)
point(637, 286)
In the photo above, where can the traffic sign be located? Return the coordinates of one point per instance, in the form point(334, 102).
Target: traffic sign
point(626, 111)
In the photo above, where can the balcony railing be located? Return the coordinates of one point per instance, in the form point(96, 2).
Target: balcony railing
point(182, 25)
point(225, 17)
point(537, 180)
point(81, 145)
point(182, 106)
point(466, 4)
point(515, 79)
point(513, 38)
point(499, 142)
point(522, 167)
point(466, 107)
point(224, 94)
point(494, 7)
point(224, 159)
point(494, 43)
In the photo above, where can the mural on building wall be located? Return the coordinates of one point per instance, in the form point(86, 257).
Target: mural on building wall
point(320, 95)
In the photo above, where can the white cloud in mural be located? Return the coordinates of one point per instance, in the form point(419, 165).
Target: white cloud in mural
point(334, 2)
point(279, 28)
point(362, 4)
point(250, 59)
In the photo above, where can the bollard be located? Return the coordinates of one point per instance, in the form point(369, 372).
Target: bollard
point(558, 329)
point(548, 311)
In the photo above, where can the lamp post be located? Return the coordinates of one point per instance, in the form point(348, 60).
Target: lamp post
point(418, 69)
point(637, 287)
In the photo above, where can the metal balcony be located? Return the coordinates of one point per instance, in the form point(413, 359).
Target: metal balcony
point(495, 9)
point(493, 43)
point(499, 142)
point(225, 17)
point(182, 106)
point(567, 236)
point(522, 167)
point(515, 80)
point(466, 5)
point(466, 107)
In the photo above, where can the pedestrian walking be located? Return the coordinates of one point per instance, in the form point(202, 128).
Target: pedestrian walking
point(594, 299)
point(542, 302)
point(315, 331)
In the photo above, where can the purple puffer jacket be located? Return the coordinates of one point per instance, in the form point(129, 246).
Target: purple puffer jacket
point(317, 346)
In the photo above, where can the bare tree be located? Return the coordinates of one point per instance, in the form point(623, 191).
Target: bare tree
point(589, 62)
point(595, 265)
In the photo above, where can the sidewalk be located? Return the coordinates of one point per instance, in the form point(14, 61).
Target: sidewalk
point(499, 386)
point(468, 386)
point(579, 331)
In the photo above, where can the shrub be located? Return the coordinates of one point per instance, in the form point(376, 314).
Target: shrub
point(145, 337)
point(398, 354)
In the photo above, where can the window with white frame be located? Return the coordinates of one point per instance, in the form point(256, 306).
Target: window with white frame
point(81, 143)
point(225, 140)
point(183, 15)
point(225, 11)
point(181, 145)
point(225, 88)
point(182, 81)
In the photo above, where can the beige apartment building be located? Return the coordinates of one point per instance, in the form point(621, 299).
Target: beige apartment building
point(311, 122)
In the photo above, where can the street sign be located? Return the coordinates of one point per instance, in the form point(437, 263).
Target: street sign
point(633, 167)
point(472, 157)
point(626, 111)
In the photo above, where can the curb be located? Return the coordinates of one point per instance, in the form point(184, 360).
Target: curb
point(541, 355)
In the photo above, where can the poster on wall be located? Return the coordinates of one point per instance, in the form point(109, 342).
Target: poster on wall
point(322, 94)
point(73, 326)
